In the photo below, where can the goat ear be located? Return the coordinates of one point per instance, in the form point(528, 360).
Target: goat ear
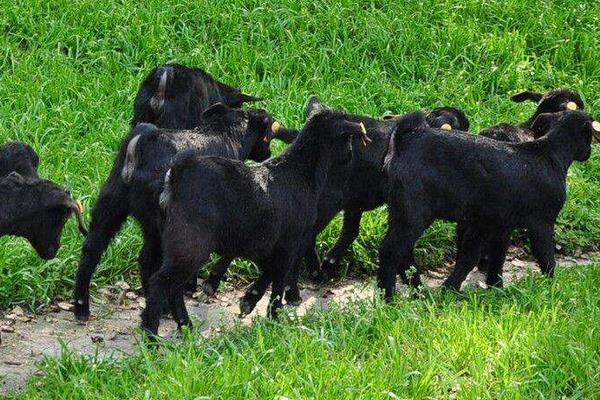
point(313, 106)
point(542, 124)
point(216, 110)
point(527, 95)
point(246, 98)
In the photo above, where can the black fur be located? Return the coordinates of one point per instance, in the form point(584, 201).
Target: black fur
point(18, 157)
point(175, 96)
point(554, 101)
point(136, 180)
point(351, 195)
point(37, 210)
point(490, 187)
point(263, 212)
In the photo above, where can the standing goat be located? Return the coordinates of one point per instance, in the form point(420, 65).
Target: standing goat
point(490, 187)
point(264, 212)
point(136, 181)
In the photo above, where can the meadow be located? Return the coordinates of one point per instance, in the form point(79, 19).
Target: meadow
point(69, 71)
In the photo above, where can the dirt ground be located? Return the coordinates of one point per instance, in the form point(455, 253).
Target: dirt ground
point(27, 338)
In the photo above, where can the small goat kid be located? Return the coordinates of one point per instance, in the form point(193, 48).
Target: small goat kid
point(491, 187)
point(263, 212)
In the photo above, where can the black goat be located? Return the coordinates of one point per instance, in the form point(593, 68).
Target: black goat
point(136, 180)
point(490, 187)
point(18, 157)
point(262, 212)
point(352, 194)
point(37, 210)
point(175, 96)
point(554, 101)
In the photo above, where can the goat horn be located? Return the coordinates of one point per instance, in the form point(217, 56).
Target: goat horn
point(363, 135)
point(446, 127)
point(572, 105)
point(78, 210)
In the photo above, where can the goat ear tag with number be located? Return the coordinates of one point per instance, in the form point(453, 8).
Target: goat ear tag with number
point(572, 105)
point(446, 127)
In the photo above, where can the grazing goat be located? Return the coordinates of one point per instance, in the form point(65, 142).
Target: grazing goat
point(352, 195)
point(262, 212)
point(175, 96)
point(490, 187)
point(136, 180)
point(37, 210)
point(18, 157)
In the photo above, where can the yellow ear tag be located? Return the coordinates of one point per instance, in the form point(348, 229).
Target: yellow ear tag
point(596, 126)
point(275, 127)
point(572, 105)
point(80, 206)
point(446, 127)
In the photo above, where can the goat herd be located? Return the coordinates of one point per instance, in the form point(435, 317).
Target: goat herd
point(181, 174)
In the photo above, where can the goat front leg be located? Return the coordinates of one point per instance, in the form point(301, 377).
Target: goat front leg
point(216, 275)
point(469, 255)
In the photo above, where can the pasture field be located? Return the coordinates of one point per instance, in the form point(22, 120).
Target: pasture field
point(533, 340)
point(69, 71)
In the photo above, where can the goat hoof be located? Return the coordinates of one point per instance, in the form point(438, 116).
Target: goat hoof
point(246, 308)
point(82, 312)
point(294, 302)
point(209, 289)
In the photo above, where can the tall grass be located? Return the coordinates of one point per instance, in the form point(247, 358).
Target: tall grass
point(536, 339)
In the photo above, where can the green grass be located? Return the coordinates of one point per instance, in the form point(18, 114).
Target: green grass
point(69, 71)
point(535, 339)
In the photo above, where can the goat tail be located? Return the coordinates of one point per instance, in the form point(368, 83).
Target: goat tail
point(158, 99)
point(130, 163)
point(406, 124)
